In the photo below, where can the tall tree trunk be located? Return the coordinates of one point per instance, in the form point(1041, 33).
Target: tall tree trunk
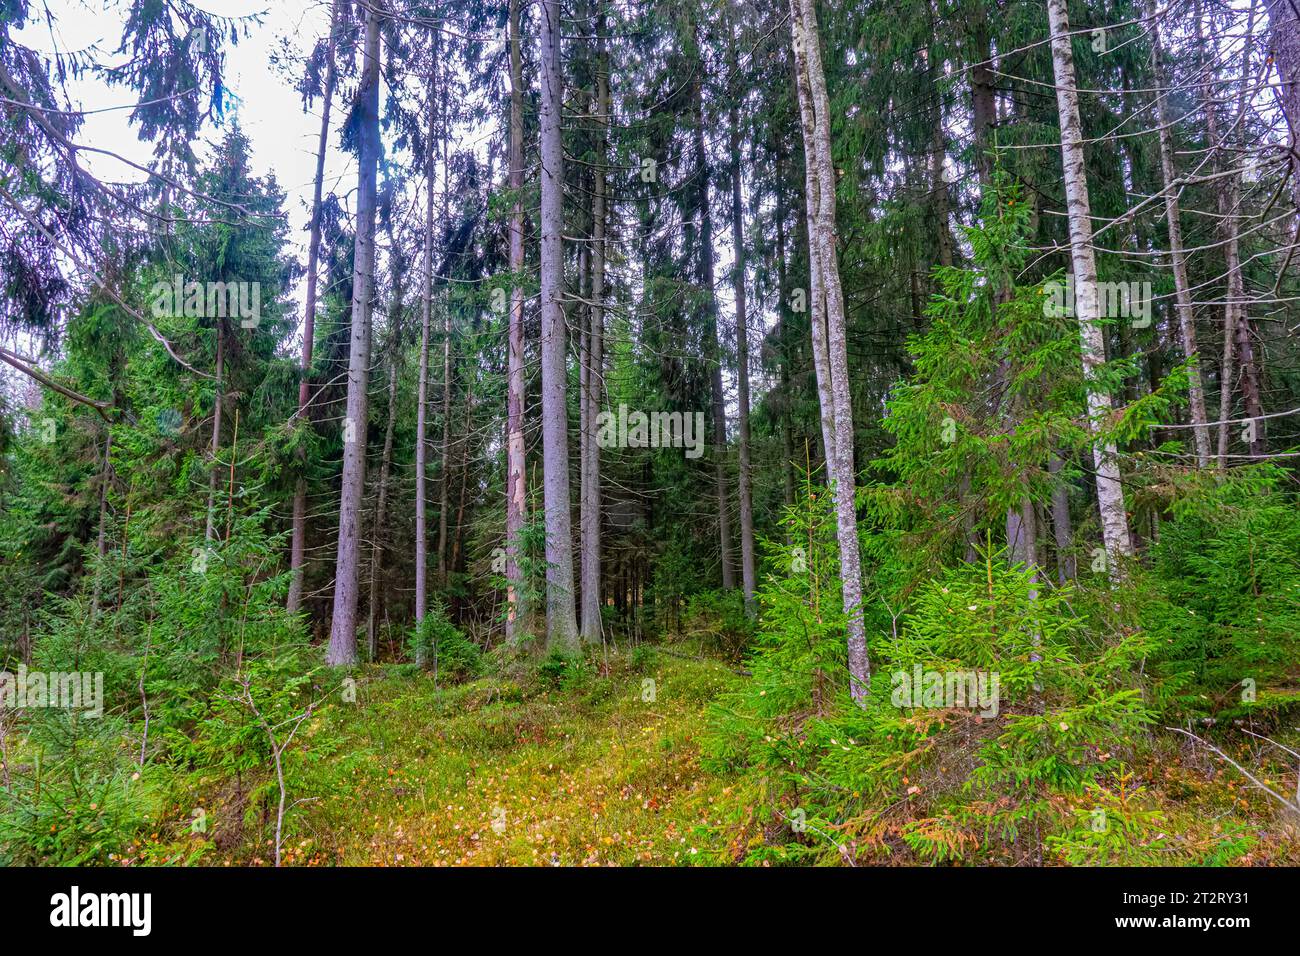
point(386, 458)
point(298, 545)
point(719, 415)
point(516, 468)
point(343, 625)
point(1182, 288)
point(814, 109)
point(101, 539)
point(595, 376)
point(1110, 491)
point(422, 399)
point(1251, 392)
point(783, 340)
point(984, 112)
point(1238, 354)
point(458, 536)
point(219, 399)
point(1022, 534)
point(561, 624)
point(939, 181)
point(816, 303)
point(744, 480)
point(1227, 371)
point(1061, 528)
point(444, 470)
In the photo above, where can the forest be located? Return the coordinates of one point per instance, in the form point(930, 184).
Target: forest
point(649, 433)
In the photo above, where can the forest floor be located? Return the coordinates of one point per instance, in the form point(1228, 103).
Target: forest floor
point(587, 771)
point(594, 767)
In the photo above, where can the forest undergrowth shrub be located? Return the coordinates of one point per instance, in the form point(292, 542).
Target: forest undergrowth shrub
point(717, 619)
point(1224, 601)
point(174, 634)
point(1042, 770)
point(925, 778)
point(445, 647)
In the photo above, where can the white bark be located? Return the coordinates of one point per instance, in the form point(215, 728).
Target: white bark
point(1110, 490)
point(815, 111)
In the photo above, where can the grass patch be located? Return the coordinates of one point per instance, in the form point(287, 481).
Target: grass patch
point(603, 771)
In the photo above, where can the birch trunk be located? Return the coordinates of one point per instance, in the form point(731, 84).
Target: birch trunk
point(814, 106)
point(1110, 490)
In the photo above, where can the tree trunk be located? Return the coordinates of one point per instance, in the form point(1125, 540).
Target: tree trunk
point(719, 414)
point(101, 540)
point(298, 546)
point(1110, 491)
point(561, 624)
point(219, 399)
point(459, 536)
point(343, 625)
point(814, 108)
point(984, 113)
point(386, 458)
point(1182, 288)
point(1251, 392)
point(590, 518)
point(1062, 531)
point(782, 336)
point(422, 399)
point(748, 582)
point(516, 467)
point(444, 476)
point(939, 182)
point(1238, 354)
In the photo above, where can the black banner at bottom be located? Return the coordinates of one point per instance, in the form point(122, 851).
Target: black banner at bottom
point(338, 906)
